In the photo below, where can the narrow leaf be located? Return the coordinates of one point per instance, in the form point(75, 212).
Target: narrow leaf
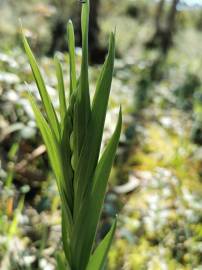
point(50, 112)
point(71, 43)
point(61, 89)
point(93, 139)
point(65, 235)
point(54, 155)
point(86, 223)
point(99, 256)
point(82, 105)
point(66, 156)
point(61, 264)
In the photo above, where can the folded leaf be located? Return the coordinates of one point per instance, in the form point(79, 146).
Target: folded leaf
point(82, 104)
point(92, 142)
point(86, 222)
point(65, 235)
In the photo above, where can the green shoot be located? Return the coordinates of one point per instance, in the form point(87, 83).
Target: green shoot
point(73, 143)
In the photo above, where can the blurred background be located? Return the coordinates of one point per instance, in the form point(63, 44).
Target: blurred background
point(156, 183)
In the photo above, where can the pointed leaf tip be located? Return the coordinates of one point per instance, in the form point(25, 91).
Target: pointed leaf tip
point(99, 256)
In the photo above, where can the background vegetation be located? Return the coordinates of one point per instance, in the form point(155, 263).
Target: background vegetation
point(156, 182)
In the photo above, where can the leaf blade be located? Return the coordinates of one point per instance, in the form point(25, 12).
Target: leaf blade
point(82, 110)
point(54, 156)
point(71, 43)
point(99, 256)
point(50, 112)
point(86, 223)
point(93, 138)
point(61, 88)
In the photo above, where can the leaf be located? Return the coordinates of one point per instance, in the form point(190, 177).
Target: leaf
point(86, 222)
point(54, 155)
point(99, 256)
point(71, 43)
point(65, 235)
point(82, 104)
point(103, 87)
point(86, 166)
point(50, 112)
point(66, 156)
point(61, 265)
point(61, 88)
point(67, 148)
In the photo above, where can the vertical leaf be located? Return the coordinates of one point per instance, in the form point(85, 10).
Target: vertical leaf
point(66, 156)
point(73, 147)
point(92, 142)
point(82, 105)
point(61, 89)
point(88, 216)
point(71, 43)
point(83, 101)
point(61, 264)
point(65, 235)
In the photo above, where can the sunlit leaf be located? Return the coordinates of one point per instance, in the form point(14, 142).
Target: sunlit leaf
point(92, 142)
point(71, 43)
point(88, 215)
point(99, 256)
point(61, 89)
point(50, 112)
point(73, 147)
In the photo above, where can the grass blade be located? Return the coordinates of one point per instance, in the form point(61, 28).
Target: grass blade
point(50, 112)
point(98, 258)
point(93, 139)
point(65, 235)
point(88, 217)
point(71, 43)
point(61, 88)
point(61, 264)
point(54, 155)
point(82, 109)
point(84, 29)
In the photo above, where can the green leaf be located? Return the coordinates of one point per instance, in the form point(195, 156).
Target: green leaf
point(65, 235)
point(66, 156)
point(84, 29)
point(71, 43)
point(48, 137)
point(54, 154)
point(82, 104)
point(99, 256)
point(86, 222)
point(61, 88)
point(86, 166)
point(50, 112)
point(61, 265)
point(100, 100)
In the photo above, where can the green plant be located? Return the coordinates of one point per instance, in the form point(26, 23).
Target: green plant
point(73, 144)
